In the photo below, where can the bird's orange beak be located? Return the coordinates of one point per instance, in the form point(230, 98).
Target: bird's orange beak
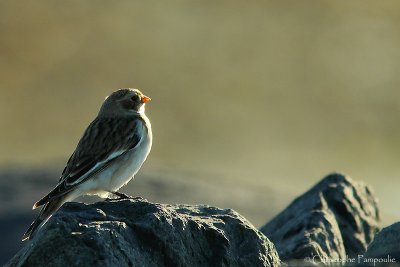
point(145, 99)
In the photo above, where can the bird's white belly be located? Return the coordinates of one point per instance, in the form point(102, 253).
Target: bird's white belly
point(119, 172)
point(128, 167)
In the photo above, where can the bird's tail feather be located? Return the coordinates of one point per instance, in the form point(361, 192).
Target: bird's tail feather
point(43, 216)
point(52, 196)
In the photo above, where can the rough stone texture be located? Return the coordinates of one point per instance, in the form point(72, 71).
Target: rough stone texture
point(139, 233)
point(335, 218)
point(386, 243)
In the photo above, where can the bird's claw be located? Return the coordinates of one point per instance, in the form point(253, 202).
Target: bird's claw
point(121, 195)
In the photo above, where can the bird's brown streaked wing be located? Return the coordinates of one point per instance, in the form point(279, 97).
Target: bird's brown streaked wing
point(104, 141)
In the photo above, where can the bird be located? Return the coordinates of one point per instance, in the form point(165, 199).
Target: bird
point(109, 154)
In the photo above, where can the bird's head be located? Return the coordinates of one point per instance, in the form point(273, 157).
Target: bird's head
point(123, 102)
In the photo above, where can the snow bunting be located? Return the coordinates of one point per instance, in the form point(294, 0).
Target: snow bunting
point(109, 154)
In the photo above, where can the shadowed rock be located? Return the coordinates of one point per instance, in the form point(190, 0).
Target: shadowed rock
point(336, 218)
point(139, 233)
point(386, 243)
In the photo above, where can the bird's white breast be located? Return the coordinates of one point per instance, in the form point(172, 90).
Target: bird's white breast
point(130, 163)
point(122, 170)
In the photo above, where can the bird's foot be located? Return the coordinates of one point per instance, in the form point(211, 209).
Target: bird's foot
point(117, 195)
point(137, 198)
point(121, 195)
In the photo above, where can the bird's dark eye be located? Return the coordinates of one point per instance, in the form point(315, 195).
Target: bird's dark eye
point(135, 98)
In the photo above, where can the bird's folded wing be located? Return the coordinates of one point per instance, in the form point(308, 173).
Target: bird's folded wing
point(104, 141)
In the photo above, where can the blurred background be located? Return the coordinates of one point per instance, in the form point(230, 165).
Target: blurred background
point(253, 101)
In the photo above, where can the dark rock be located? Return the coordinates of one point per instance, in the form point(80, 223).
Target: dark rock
point(139, 233)
point(16, 198)
point(386, 243)
point(335, 219)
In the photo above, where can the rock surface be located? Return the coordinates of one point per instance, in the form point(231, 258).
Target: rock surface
point(386, 243)
point(139, 233)
point(335, 219)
